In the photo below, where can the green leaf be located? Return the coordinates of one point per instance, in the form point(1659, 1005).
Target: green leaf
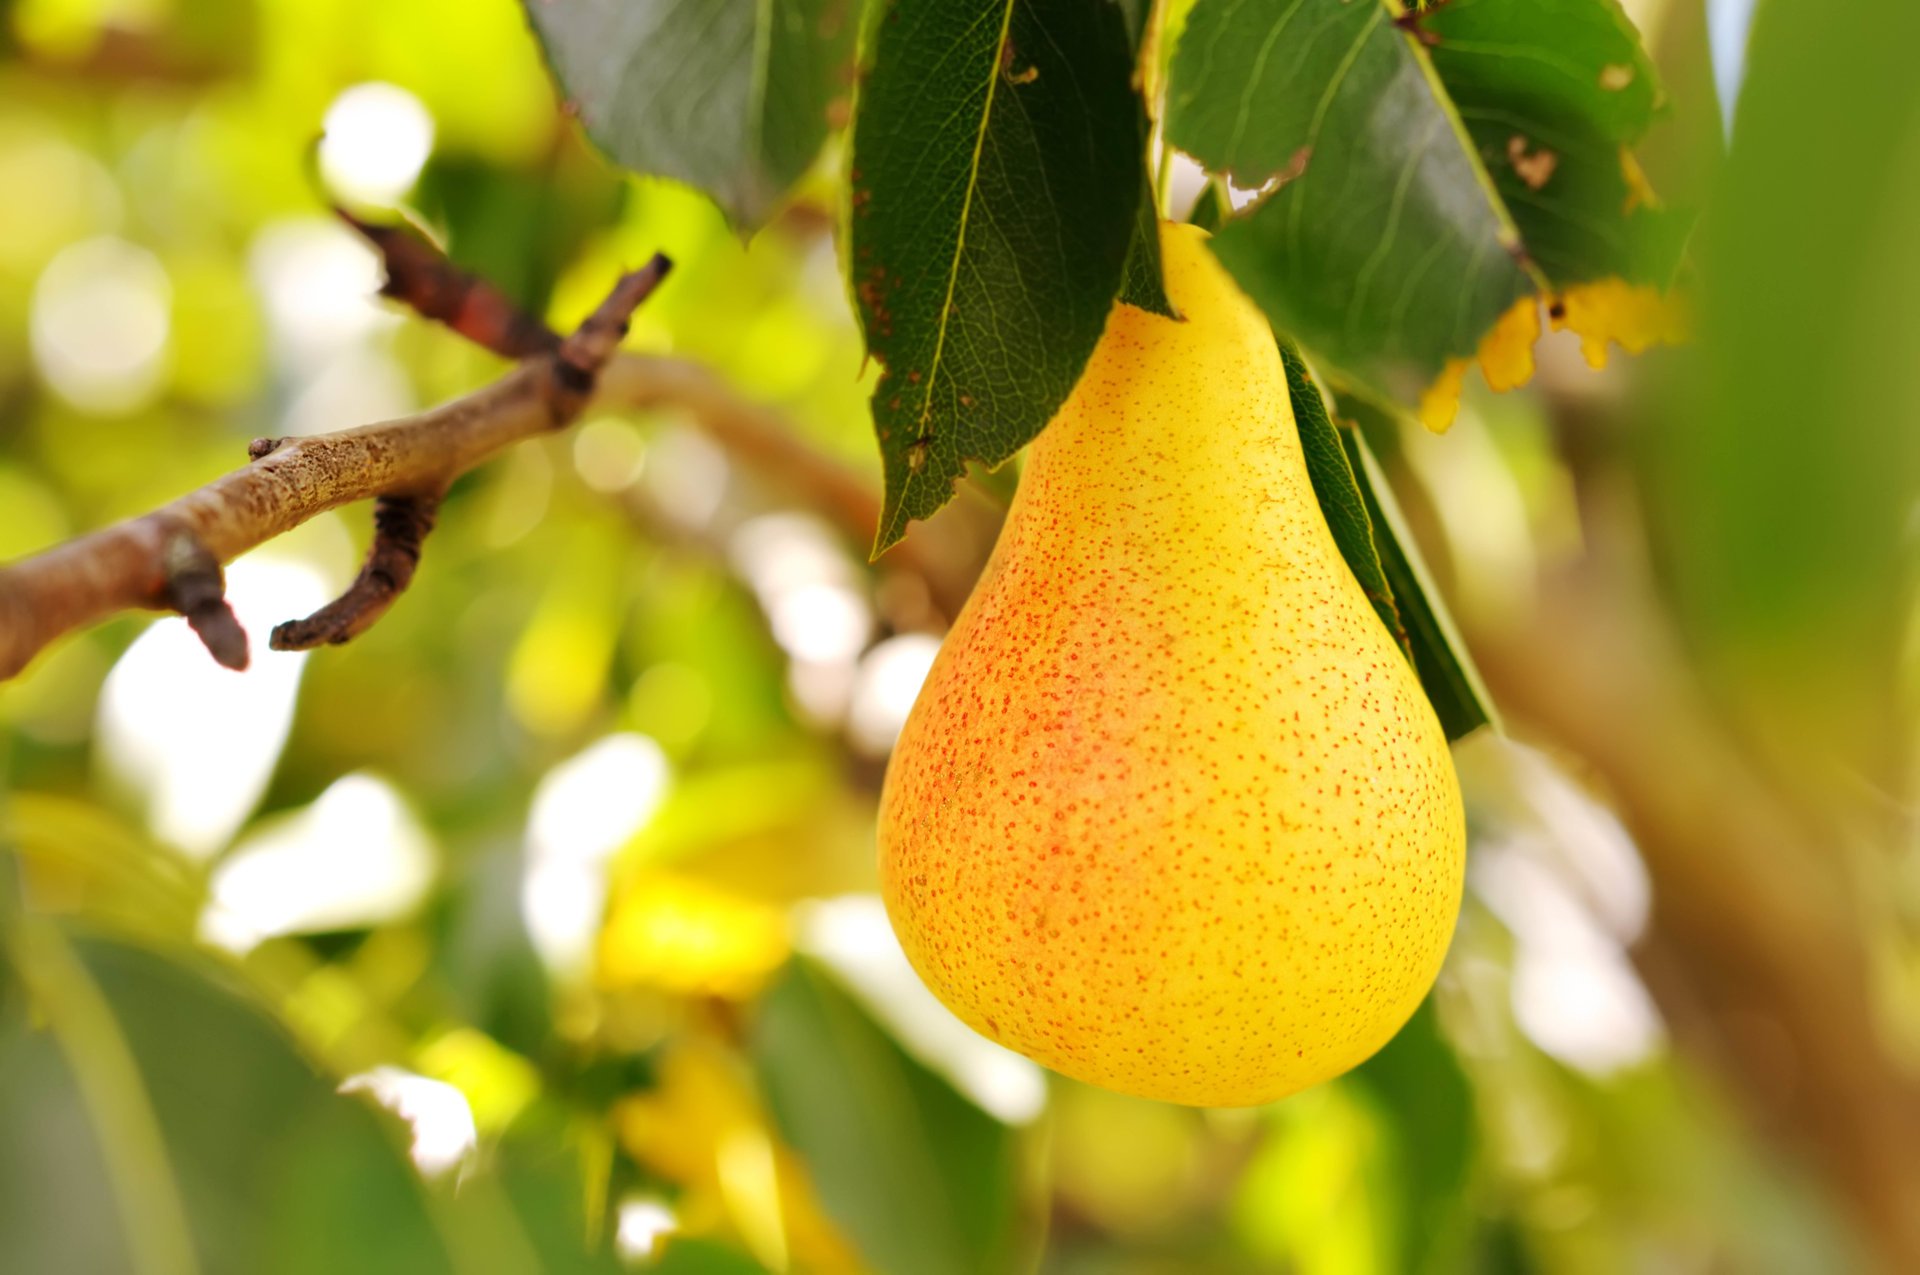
point(1418, 1082)
point(1373, 538)
point(1783, 483)
point(1212, 208)
point(921, 1178)
point(1447, 672)
point(1143, 285)
point(164, 1122)
point(1341, 500)
point(997, 170)
point(1553, 92)
point(1383, 245)
point(732, 96)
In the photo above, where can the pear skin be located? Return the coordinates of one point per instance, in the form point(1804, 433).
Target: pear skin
point(1172, 814)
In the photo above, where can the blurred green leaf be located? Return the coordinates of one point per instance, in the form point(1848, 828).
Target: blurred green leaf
point(996, 179)
point(704, 1257)
point(268, 1162)
point(1384, 244)
point(517, 234)
point(922, 1179)
point(1785, 480)
point(732, 96)
point(1552, 93)
point(1429, 1102)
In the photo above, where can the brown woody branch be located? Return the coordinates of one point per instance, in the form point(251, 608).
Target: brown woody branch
point(170, 559)
point(124, 566)
point(420, 276)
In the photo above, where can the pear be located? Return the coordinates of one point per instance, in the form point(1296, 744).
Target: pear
point(1171, 814)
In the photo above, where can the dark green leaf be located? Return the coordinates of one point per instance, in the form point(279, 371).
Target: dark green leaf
point(1447, 673)
point(996, 171)
point(1338, 490)
point(922, 1179)
point(1143, 286)
point(1383, 245)
point(732, 96)
point(1553, 92)
point(1211, 208)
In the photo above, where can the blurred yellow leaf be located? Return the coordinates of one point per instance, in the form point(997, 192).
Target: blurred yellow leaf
point(703, 1128)
point(1441, 400)
point(498, 1083)
point(688, 937)
point(1633, 316)
point(1313, 1197)
point(1505, 356)
point(1506, 351)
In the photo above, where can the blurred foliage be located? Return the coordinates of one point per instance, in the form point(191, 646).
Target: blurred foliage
point(547, 849)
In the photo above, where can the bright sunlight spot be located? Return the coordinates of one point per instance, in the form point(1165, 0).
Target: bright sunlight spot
point(643, 1221)
point(584, 810)
point(378, 137)
point(685, 476)
point(811, 592)
point(101, 319)
point(192, 743)
point(888, 682)
point(442, 1123)
point(608, 454)
point(320, 284)
point(354, 858)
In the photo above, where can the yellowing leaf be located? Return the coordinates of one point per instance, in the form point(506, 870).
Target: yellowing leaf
point(690, 938)
point(1505, 357)
point(703, 1128)
point(1441, 401)
point(1633, 316)
point(1639, 189)
point(1506, 351)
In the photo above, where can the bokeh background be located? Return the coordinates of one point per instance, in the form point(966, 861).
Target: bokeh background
point(564, 871)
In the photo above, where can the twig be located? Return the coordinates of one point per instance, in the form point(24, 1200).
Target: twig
point(196, 589)
point(122, 567)
point(421, 278)
point(400, 526)
point(402, 518)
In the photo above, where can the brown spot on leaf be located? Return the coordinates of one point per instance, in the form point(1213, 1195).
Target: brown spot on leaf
point(1027, 76)
point(1616, 76)
point(1534, 167)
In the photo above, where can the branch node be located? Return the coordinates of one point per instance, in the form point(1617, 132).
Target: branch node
point(577, 363)
point(260, 447)
point(195, 587)
point(400, 527)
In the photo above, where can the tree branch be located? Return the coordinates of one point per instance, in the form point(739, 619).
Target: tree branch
point(125, 566)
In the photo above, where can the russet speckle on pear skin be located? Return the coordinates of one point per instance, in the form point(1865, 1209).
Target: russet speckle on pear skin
point(1172, 814)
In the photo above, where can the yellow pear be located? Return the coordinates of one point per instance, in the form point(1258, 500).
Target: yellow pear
point(1171, 813)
